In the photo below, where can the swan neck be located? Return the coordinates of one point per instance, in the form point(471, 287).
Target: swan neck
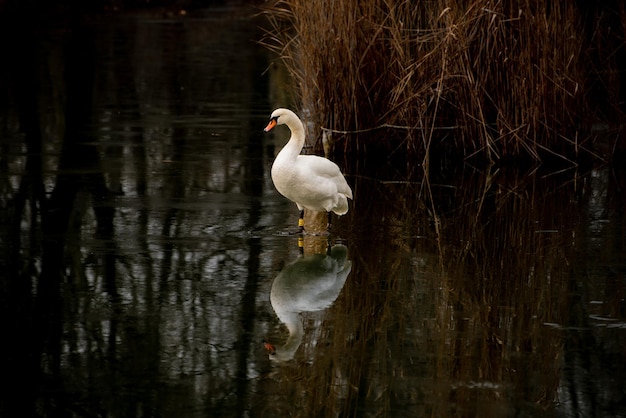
point(292, 321)
point(297, 133)
point(297, 127)
point(296, 332)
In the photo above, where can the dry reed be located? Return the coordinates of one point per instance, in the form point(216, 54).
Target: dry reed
point(486, 78)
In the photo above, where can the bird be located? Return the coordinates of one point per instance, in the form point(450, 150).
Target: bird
point(311, 181)
point(309, 284)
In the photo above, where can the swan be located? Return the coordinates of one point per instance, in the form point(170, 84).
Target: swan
point(309, 284)
point(311, 181)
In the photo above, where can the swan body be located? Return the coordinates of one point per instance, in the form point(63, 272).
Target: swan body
point(311, 283)
point(312, 182)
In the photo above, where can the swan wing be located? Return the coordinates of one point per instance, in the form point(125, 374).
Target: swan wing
point(320, 166)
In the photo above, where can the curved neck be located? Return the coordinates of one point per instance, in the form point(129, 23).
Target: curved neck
point(296, 141)
point(296, 331)
point(296, 127)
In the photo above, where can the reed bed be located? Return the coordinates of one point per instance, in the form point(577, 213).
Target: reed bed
point(486, 79)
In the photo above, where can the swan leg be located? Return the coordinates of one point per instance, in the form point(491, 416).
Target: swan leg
point(301, 221)
point(301, 244)
point(330, 218)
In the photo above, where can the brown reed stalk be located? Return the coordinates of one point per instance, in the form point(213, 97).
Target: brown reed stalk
point(482, 78)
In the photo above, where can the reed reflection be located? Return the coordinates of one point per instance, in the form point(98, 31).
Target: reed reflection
point(446, 309)
point(309, 284)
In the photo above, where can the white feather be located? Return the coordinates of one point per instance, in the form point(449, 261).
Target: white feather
point(312, 182)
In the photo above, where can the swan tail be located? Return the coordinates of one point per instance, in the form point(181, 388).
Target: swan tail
point(341, 208)
point(343, 188)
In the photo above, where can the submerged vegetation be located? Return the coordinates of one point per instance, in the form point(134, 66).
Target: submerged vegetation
point(479, 79)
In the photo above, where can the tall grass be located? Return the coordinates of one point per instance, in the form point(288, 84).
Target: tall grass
point(484, 79)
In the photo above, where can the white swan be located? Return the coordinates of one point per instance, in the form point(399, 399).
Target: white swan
point(310, 181)
point(309, 284)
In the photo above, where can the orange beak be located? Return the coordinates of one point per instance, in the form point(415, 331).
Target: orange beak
point(270, 125)
point(269, 347)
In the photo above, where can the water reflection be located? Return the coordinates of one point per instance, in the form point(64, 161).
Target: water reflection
point(309, 284)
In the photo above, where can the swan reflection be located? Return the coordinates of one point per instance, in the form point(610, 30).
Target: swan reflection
point(311, 283)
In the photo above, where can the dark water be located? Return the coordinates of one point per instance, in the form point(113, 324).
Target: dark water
point(146, 255)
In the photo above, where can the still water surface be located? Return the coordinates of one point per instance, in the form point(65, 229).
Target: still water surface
point(146, 255)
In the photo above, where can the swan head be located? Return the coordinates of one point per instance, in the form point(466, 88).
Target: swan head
point(276, 354)
point(285, 352)
point(282, 117)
